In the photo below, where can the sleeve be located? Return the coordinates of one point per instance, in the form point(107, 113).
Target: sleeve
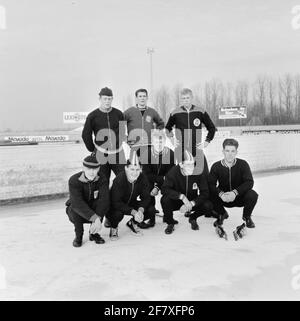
point(78, 203)
point(170, 124)
point(213, 180)
point(168, 186)
point(116, 198)
point(247, 179)
point(209, 126)
point(87, 134)
point(158, 121)
point(103, 203)
point(204, 192)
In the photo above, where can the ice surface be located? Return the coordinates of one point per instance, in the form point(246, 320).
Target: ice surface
point(37, 260)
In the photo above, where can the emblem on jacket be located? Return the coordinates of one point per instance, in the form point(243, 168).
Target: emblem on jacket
point(96, 194)
point(195, 186)
point(148, 119)
point(196, 122)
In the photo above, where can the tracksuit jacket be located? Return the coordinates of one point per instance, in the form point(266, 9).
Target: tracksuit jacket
point(192, 119)
point(136, 120)
point(237, 178)
point(194, 187)
point(124, 195)
point(156, 166)
point(97, 120)
point(89, 198)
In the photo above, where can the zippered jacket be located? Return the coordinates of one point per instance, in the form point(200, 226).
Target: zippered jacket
point(194, 187)
point(97, 120)
point(192, 119)
point(124, 195)
point(237, 178)
point(142, 123)
point(156, 166)
point(89, 198)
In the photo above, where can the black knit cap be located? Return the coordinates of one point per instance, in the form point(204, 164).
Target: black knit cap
point(91, 162)
point(105, 92)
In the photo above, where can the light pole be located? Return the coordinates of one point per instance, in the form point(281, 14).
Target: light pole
point(150, 51)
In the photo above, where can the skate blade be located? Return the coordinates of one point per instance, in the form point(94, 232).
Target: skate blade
point(221, 233)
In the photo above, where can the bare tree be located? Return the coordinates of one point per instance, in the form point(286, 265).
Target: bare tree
point(162, 102)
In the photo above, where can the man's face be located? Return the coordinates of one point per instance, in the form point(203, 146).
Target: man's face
point(142, 98)
point(229, 153)
point(188, 167)
point(90, 173)
point(159, 143)
point(132, 172)
point(106, 101)
point(186, 100)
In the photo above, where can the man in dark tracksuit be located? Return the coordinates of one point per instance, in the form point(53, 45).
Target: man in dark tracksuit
point(108, 126)
point(157, 160)
point(141, 119)
point(184, 191)
point(231, 183)
point(89, 200)
point(130, 195)
point(188, 120)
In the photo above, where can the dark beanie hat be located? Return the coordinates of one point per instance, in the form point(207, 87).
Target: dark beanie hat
point(105, 92)
point(91, 162)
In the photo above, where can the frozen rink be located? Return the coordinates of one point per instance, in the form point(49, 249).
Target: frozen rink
point(38, 262)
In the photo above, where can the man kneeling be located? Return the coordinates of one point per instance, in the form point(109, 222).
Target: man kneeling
point(186, 191)
point(89, 200)
point(231, 183)
point(130, 194)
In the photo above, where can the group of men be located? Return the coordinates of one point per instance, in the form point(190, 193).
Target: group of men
point(179, 174)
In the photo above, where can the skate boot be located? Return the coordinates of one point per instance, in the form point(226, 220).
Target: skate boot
point(97, 238)
point(170, 229)
point(134, 228)
point(249, 222)
point(239, 232)
point(221, 232)
point(77, 241)
point(194, 224)
point(113, 234)
point(221, 219)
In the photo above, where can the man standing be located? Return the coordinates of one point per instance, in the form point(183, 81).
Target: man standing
point(231, 183)
point(130, 194)
point(108, 126)
point(89, 200)
point(183, 190)
point(157, 160)
point(141, 119)
point(187, 120)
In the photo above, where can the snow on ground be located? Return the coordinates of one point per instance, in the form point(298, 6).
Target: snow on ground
point(40, 263)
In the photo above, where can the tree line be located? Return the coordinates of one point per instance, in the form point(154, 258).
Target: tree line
point(269, 100)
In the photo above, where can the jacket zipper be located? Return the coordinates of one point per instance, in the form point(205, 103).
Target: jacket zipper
point(230, 178)
point(132, 187)
point(186, 185)
point(109, 131)
point(188, 128)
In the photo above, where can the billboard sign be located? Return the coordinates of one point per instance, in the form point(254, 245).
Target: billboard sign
point(232, 112)
point(74, 117)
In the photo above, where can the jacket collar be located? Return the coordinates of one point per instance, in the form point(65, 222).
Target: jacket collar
point(183, 108)
point(225, 165)
point(163, 152)
point(83, 179)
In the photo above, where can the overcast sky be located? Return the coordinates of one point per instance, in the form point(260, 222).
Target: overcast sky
point(56, 55)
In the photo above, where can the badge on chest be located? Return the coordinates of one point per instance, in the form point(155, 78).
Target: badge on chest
point(96, 194)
